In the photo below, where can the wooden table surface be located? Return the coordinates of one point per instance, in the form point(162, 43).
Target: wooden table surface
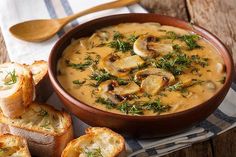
point(219, 17)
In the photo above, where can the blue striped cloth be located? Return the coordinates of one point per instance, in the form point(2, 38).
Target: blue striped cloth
point(14, 11)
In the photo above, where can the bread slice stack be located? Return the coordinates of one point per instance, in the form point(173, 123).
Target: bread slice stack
point(99, 142)
point(13, 146)
point(21, 84)
point(46, 129)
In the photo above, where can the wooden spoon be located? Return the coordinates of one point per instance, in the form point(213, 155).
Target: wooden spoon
point(40, 30)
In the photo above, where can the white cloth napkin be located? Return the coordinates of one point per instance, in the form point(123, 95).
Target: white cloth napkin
point(15, 11)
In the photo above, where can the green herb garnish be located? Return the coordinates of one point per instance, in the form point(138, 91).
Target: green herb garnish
point(13, 78)
point(121, 81)
point(191, 41)
point(107, 102)
point(100, 76)
point(132, 38)
point(93, 153)
point(171, 35)
point(176, 87)
point(156, 106)
point(81, 66)
point(176, 64)
point(198, 60)
point(130, 109)
point(120, 45)
point(180, 87)
point(136, 110)
point(117, 35)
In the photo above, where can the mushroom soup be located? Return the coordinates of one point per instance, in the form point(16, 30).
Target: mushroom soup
point(141, 69)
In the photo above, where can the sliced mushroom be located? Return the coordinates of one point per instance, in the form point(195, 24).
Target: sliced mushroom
point(128, 63)
point(107, 63)
point(110, 90)
point(106, 86)
point(128, 89)
point(105, 91)
point(84, 44)
point(112, 97)
point(140, 75)
point(162, 49)
point(121, 66)
point(220, 68)
point(210, 85)
point(147, 45)
point(153, 84)
point(98, 38)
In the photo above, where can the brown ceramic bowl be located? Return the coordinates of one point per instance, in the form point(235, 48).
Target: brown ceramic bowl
point(141, 126)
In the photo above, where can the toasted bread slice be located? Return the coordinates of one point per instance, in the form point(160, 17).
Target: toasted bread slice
point(99, 142)
point(16, 89)
point(42, 83)
point(13, 146)
point(47, 130)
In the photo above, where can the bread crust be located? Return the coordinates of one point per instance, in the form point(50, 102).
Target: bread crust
point(41, 142)
point(20, 94)
point(19, 141)
point(42, 82)
point(92, 134)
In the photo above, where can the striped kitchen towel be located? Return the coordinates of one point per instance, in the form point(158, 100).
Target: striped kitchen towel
point(14, 11)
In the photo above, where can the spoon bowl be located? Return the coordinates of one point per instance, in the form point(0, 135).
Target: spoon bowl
point(27, 30)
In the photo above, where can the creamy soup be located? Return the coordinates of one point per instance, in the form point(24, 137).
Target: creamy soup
point(141, 69)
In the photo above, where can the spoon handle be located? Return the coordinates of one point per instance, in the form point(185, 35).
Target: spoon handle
point(110, 5)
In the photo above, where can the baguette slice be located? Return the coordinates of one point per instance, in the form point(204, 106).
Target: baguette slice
point(16, 89)
point(42, 83)
point(47, 130)
point(13, 146)
point(99, 142)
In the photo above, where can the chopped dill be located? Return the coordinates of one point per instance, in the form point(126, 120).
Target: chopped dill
point(132, 38)
point(176, 87)
point(117, 35)
point(189, 39)
point(198, 60)
point(13, 78)
point(120, 45)
point(88, 61)
point(176, 64)
point(107, 102)
point(130, 109)
point(80, 66)
point(93, 153)
point(156, 106)
point(100, 76)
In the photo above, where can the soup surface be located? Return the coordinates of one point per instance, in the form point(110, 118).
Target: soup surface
point(141, 69)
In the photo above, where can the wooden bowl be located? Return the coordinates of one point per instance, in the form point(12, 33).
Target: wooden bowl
point(139, 126)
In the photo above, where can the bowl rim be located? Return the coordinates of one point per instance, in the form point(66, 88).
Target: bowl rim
point(223, 51)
